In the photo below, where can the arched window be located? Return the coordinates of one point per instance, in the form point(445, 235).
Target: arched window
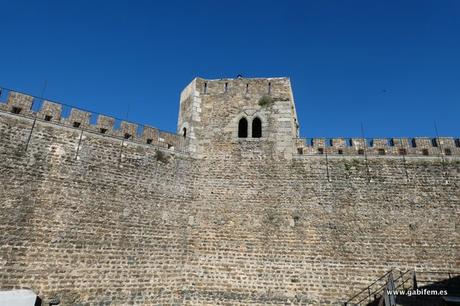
point(256, 128)
point(184, 132)
point(243, 128)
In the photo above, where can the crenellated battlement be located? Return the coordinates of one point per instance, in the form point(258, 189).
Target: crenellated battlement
point(418, 146)
point(212, 91)
point(63, 114)
point(238, 86)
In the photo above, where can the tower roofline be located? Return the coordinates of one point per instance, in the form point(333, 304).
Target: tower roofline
point(242, 78)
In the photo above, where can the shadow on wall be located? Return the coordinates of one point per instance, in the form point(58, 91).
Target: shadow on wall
point(424, 295)
point(38, 301)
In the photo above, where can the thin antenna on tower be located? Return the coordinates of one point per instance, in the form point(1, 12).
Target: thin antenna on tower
point(365, 151)
point(441, 154)
point(45, 85)
point(35, 119)
point(127, 112)
point(436, 129)
point(438, 142)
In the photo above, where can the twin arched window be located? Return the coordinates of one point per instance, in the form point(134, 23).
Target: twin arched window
point(256, 128)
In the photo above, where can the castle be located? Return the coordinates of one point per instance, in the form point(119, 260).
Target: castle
point(233, 209)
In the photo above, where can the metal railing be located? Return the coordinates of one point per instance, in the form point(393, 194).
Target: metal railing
point(369, 292)
point(408, 279)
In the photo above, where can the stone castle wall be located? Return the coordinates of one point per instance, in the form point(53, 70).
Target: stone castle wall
point(211, 110)
point(104, 228)
point(316, 231)
point(97, 219)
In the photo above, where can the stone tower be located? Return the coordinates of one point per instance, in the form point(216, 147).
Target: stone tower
point(225, 115)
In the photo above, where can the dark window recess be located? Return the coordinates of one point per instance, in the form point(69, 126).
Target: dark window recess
point(76, 124)
point(425, 152)
point(269, 88)
point(434, 142)
point(247, 88)
point(320, 151)
point(300, 150)
point(457, 142)
point(402, 152)
point(205, 88)
point(149, 141)
point(169, 146)
point(102, 130)
point(256, 128)
point(16, 110)
point(414, 144)
point(226, 87)
point(48, 118)
point(448, 151)
point(360, 151)
point(381, 152)
point(391, 142)
point(127, 136)
point(184, 132)
point(243, 128)
point(350, 142)
point(340, 151)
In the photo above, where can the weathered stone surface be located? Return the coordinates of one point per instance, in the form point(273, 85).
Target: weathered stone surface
point(95, 219)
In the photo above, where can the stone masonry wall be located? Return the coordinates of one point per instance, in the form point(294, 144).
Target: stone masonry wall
point(106, 228)
point(211, 110)
point(316, 231)
point(96, 219)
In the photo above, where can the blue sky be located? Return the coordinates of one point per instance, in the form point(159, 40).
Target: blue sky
point(393, 65)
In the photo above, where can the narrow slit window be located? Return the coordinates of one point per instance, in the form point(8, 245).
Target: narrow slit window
point(16, 110)
point(434, 142)
point(243, 128)
point(184, 132)
point(256, 128)
point(226, 87)
point(205, 88)
point(269, 88)
point(247, 88)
